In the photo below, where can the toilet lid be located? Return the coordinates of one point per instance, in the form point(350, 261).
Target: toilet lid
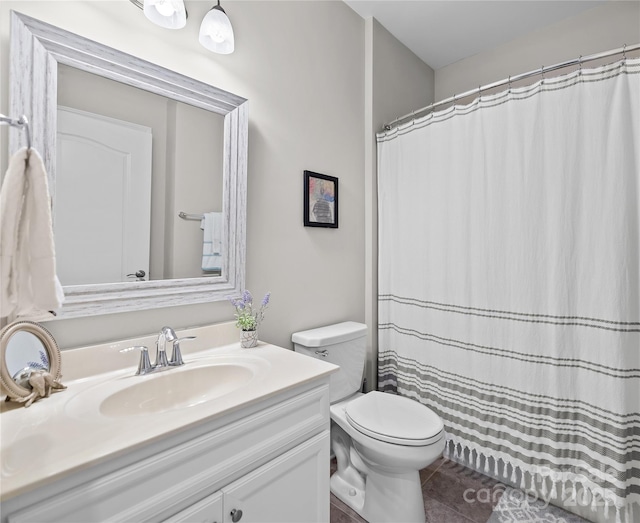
point(394, 419)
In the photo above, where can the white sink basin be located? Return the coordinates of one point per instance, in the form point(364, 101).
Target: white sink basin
point(170, 390)
point(195, 383)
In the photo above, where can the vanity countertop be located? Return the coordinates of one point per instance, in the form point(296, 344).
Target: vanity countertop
point(54, 438)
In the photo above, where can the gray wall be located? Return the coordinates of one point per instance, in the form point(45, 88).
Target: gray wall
point(397, 82)
point(601, 28)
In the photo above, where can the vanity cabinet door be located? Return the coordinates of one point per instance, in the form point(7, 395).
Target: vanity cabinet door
point(293, 488)
point(209, 510)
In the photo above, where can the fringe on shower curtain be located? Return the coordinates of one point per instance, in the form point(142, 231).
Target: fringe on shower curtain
point(509, 283)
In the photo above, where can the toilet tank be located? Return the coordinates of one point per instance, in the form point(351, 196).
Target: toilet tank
point(343, 344)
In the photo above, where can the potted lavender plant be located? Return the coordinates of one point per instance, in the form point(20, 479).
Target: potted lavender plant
point(247, 319)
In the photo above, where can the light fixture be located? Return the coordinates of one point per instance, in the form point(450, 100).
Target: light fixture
point(216, 33)
point(170, 14)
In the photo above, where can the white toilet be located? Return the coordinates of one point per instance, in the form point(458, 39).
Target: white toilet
point(380, 440)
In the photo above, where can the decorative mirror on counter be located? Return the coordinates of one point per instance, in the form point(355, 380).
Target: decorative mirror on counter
point(42, 56)
point(29, 362)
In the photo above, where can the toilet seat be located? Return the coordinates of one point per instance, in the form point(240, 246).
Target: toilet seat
point(394, 419)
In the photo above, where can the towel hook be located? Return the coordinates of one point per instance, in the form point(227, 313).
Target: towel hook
point(25, 124)
point(21, 123)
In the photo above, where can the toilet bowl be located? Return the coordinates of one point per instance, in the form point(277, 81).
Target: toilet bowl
point(380, 440)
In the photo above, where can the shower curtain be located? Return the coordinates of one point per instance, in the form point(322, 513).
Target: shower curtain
point(509, 282)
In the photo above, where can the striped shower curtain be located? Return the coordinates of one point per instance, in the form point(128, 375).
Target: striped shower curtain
point(509, 283)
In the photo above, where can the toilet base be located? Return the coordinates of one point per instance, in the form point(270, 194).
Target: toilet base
point(347, 493)
point(386, 499)
point(393, 498)
point(379, 496)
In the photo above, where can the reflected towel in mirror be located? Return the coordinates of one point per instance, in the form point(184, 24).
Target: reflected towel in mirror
point(212, 241)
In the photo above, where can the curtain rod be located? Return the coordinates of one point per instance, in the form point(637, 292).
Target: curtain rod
point(577, 61)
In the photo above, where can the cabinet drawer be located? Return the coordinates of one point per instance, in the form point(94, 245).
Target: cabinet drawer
point(157, 487)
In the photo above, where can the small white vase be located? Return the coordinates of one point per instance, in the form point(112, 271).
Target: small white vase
point(248, 339)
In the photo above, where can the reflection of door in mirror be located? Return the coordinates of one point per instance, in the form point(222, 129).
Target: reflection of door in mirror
point(25, 349)
point(187, 166)
point(103, 198)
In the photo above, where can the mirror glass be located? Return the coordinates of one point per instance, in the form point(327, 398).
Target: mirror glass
point(196, 146)
point(129, 161)
point(25, 351)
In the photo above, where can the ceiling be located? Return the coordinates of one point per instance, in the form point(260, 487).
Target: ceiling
point(442, 32)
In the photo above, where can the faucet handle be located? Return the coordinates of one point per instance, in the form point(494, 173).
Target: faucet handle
point(176, 356)
point(144, 366)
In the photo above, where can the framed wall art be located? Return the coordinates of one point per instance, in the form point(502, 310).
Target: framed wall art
point(320, 200)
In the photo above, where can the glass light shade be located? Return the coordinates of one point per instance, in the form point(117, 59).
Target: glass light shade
point(216, 33)
point(166, 13)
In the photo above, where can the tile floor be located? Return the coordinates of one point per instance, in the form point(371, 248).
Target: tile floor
point(444, 484)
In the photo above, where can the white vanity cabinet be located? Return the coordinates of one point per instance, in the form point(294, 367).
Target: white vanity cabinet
point(264, 462)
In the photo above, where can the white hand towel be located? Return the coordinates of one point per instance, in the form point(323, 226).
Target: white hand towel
point(212, 241)
point(29, 287)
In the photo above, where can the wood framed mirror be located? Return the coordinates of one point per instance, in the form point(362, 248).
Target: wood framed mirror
point(29, 362)
point(37, 51)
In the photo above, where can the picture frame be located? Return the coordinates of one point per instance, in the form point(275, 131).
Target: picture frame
point(320, 200)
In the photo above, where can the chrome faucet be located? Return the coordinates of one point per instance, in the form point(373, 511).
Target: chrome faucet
point(166, 334)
